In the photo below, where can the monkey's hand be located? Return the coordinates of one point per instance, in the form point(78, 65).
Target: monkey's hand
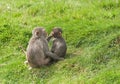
point(49, 37)
point(51, 34)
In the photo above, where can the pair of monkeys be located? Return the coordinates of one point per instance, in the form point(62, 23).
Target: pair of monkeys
point(38, 53)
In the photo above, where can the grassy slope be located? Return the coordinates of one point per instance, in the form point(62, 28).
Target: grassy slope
point(92, 32)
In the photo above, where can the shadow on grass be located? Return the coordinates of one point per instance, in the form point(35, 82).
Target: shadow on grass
point(70, 55)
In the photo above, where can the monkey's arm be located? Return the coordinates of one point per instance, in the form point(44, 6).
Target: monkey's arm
point(54, 56)
point(53, 48)
point(48, 38)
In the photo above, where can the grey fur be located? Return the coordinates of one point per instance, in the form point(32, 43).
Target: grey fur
point(59, 46)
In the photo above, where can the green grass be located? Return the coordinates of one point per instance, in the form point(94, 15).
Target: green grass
point(91, 29)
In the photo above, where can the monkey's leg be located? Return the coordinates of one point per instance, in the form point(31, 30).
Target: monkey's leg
point(46, 61)
point(54, 56)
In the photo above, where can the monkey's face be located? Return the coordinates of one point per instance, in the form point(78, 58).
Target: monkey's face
point(56, 34)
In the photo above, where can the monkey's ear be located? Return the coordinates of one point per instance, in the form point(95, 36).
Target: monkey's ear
point(36, 33)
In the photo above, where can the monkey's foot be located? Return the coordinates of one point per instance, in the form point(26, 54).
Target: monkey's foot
point(26, 62)
point(62, 58)
point(29, 68)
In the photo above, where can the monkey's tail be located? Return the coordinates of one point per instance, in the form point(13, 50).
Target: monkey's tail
point(22, 49)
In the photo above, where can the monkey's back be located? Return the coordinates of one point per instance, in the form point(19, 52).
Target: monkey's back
point(35, 54)
point(59, 47)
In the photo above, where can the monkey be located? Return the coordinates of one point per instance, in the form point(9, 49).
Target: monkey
point(37, 53)
point(59, 46)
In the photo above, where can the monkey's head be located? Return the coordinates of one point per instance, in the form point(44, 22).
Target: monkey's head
point(38, 32)
point(57, 32)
